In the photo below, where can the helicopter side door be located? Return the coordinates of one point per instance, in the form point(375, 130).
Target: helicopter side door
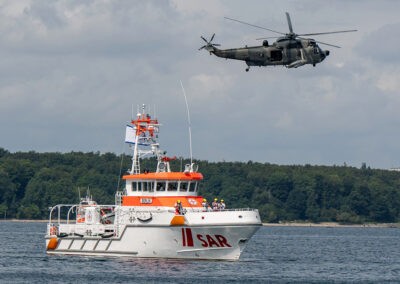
point(276, 55)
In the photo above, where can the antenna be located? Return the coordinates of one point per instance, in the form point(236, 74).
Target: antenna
point(190, 125)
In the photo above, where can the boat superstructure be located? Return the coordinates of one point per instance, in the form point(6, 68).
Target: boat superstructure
point(158, 214)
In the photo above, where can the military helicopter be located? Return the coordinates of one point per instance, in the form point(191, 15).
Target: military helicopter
point(291, 50)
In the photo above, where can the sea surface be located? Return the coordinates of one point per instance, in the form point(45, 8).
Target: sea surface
point(274, 255)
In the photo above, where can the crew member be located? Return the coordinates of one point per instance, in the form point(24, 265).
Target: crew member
point(215, 204)
point(222, 205)
point(178, 208)
point(205, 204)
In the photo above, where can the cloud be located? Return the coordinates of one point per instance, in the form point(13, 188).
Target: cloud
point(71, 72)
point(381, 45)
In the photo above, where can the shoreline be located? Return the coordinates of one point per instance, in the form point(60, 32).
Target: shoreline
point(332, 225)
point(281, 224)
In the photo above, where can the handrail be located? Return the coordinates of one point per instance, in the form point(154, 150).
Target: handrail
point(58, 207)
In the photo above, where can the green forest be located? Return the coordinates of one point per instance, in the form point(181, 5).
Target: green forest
point(31, 182)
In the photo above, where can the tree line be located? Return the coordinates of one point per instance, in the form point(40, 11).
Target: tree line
point(31, 182)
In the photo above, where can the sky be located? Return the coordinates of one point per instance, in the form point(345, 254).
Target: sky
point(72, 73)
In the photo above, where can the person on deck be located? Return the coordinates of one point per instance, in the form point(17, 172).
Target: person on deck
point(215, 204)
point(178, 208)
point(222, 205)
point(205, 204)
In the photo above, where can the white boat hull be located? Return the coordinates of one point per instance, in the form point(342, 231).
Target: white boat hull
point(202, 242)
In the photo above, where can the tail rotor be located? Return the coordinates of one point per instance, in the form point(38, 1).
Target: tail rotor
point(209, 46)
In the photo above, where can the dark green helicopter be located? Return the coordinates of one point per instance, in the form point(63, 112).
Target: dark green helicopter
point(290, 50)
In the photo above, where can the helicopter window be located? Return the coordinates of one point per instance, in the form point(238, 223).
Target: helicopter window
point(293, 44)
point(276, 55)
point(316, 51)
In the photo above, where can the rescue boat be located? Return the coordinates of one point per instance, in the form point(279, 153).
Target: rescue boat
point(158, 214)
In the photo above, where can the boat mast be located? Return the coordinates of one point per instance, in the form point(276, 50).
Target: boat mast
point(145, 129)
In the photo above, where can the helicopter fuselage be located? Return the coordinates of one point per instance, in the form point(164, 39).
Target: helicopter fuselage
point(289, 53)
point(290, 49)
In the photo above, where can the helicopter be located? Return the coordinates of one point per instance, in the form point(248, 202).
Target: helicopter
point(290, 49)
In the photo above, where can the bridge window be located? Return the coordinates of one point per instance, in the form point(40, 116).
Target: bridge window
point(192, 186)
point(150, 186)
point(183, 186)
point(147, 186)
point(134, 186)
point(172, 186)
point(161, 186)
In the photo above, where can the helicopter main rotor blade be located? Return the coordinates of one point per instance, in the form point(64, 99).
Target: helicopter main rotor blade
point(254, 25)
point(289, 23)
point(328, 44)
point(326, 33)
point(324, 43)
point(204, 39)
point(260, 38)
point(212, 37)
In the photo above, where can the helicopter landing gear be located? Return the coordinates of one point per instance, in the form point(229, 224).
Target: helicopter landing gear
point(247, 69)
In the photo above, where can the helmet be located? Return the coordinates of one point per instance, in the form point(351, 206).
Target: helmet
point(178, 201)
point(204, 199)
point(222, 200)
point(215, 199)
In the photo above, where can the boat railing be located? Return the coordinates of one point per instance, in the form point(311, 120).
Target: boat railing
point(118, 197)
point(202, 210)
point(65, 211)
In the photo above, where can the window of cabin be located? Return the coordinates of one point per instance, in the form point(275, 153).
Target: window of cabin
point(145, 186)
point(183, 186)
point(192, 186)
point(161, 186)
point(134, 186)
point(172, 186)
point(139, 186)
point(150, 186)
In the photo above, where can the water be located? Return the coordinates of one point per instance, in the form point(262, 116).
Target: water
point(275, 255)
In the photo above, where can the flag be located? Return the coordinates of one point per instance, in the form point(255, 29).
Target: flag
point(130, 135)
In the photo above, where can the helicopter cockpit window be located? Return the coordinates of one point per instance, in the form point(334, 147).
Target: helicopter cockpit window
point(312, 43)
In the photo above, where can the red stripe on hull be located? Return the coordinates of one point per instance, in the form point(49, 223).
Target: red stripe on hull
point(189, 237)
